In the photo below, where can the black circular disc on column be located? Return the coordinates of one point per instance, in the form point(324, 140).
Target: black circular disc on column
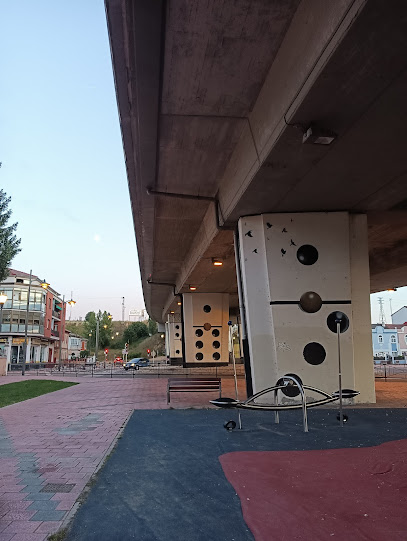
point(207, 308)
point(291, 389)
point(215, 332)
point(199, 344)
point(307, 254)
point(216, 356)
point(314, 353)
point(310, 302)
point(199, 332)
point(333, 319)
point(199, 356)
point(216, 344)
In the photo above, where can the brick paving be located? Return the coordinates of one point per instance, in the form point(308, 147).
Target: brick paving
point(50, 446)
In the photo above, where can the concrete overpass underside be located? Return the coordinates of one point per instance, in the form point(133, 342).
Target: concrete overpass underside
point(214, 98)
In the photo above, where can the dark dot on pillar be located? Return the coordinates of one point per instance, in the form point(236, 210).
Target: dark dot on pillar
point(216, 356)
point(199, 332)
point(255, 251)
point(216, 344)
point(314, 353)
point(177, 326)
point(207, 308)
point(248, 234)
point(283, 252)
point(177, 334)
point(199, 356)
point(199, 344)
point(269, 225)
point(307, 254)
point(215, 332)
point(333, 319)
point(177, 351)
point(310, 302)
point(291, 388)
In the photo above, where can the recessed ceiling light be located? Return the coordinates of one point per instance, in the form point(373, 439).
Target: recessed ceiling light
point(216, 262)
point(192, 288)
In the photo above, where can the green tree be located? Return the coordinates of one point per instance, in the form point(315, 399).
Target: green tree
point(152, 327)
point(135, 331)
point(9, 243)
point(105, 328)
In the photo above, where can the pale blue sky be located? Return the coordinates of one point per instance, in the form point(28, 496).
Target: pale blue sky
point(62, 155)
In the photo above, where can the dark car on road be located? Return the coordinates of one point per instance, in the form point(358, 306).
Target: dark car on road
point(136, 363)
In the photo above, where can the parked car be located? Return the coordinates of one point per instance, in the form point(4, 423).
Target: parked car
point(118, 360)
point(136, 363)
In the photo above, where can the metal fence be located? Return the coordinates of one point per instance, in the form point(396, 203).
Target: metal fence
point(109, 370)
point(390, 371)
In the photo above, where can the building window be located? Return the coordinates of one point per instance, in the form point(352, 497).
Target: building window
point(380, 338)
point(393, 339)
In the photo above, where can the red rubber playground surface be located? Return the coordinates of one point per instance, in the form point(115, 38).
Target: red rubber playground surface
point(323, 494)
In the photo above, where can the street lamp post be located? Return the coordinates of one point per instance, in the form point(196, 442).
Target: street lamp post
point(26, 325)
point(3, 300)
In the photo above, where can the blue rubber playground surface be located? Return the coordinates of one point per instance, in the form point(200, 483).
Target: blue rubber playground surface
point(164, 481)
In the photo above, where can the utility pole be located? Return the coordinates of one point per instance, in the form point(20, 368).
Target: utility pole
point(97, 339)
point(63, 314)
point(391, 310)
point(123, 308)
point(382, 317)
point(26, 325)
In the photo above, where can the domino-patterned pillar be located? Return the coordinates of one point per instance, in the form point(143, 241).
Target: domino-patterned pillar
point(206, 328)
point(298, 271)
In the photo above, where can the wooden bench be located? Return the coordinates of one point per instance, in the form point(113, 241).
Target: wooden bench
point(195, 385)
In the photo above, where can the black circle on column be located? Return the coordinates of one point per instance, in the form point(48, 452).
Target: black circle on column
point(216, 344)
point(215, 332)
point(177, 351)
point(333, 319)
point(310, 302)
point(314, 353)
point(307, 254)
point(177, 326)
point(177, 334)
point(291, 388)
point(199, 344)
point(199, 332)
point(199, 356)
point(216, 356)
point(207, 308)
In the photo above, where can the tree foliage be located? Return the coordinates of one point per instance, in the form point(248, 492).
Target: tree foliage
point(9, 243)
point(152, 327)
point(135, 331)
point(105, 328)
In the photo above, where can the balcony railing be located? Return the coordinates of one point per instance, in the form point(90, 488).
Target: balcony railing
point(56, 313)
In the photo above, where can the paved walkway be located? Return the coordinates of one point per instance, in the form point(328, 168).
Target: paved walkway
point(51, 445)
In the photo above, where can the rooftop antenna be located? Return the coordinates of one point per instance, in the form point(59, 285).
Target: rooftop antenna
point(382, 317)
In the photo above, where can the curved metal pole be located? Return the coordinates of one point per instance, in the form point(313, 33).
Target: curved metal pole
point(234, 371)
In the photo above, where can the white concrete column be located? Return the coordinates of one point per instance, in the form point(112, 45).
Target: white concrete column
point(173, 336)
point(206, 328)
point(298, 270)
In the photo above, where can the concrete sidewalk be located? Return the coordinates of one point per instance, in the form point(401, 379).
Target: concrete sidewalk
point(50, 446)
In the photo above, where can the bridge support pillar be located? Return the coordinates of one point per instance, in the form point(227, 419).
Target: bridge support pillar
point(206, 328)
point(298, 271)
point(173, 338)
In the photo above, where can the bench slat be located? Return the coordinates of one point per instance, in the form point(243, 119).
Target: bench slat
point(178, 385)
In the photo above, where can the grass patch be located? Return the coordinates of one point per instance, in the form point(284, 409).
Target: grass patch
point(11, 393)
point(59, 536)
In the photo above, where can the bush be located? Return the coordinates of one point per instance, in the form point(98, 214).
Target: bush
point(83, 354)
